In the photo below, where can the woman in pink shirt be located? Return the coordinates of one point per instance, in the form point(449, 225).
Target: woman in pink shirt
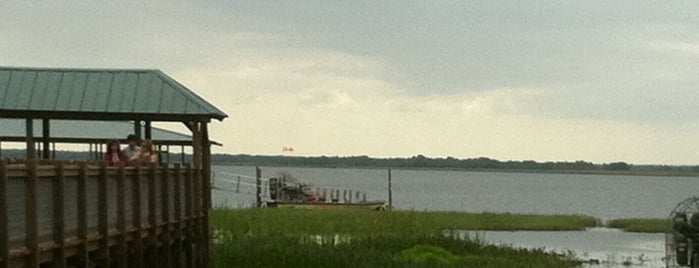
point(114, 154)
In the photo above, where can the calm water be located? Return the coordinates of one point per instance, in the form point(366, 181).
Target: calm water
point(601, 196)
point(611, 247)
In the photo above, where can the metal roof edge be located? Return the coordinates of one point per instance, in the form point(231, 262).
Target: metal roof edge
point(202, 102)
point(74, 69)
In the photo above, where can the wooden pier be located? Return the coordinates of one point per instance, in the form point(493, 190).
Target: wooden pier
point(87, 214)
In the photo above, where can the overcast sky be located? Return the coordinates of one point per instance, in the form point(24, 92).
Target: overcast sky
point(556, 80)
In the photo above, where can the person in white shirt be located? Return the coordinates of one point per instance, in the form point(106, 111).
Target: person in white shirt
point(132, 150)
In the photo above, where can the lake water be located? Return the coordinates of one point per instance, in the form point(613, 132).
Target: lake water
point(601, 196)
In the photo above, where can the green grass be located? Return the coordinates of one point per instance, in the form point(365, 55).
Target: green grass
point(312, 238)
point(641, 225)
point(368, 223)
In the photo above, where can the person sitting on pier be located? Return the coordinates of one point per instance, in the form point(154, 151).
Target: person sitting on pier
point(148, 153)
point(132, 150)
point(114, 154)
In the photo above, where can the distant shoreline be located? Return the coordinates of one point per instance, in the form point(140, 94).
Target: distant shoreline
point(649, 173)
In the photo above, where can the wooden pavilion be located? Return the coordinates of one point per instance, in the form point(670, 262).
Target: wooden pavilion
point(85, 213)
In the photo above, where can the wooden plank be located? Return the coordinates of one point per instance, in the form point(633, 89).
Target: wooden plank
point(177, 211)
point(177, 217)
point(4, 229)
point(165, 214)
point(83, 256)
point(122, 259)
point(59, 216)
point(31, 220)
point(198, 231)
point(189, 214)
point(103, 216)
point(136, 218)
point(152, 219)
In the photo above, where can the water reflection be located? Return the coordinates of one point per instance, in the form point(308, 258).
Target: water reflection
point(608, 247)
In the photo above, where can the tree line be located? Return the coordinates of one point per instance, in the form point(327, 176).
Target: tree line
point(418, 161)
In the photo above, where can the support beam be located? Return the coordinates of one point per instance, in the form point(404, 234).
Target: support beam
point(148, 130)
point(31, 149)
point(206, 179)
point(137, 128)
point(46, 133)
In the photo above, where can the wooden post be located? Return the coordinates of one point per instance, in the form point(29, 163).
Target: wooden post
point(82, 215)
point(198, 193)
point(31, 215)
point(46, 147)
point(152, 219)
point(4, 229)
point(165, 256)
point(136, 218)
point(258, 183)
point(31, 149)
point(137, 128)
point(122, 260)
point(103, 216)
point(148, 129)
point(59, 254)
point(390, 191)
point(206, 188)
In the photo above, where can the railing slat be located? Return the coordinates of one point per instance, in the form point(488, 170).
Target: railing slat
point(122, 260)
point(165, 214)
point(189, 214)
point(103, 216)
point(59, 217)
point(177, 192)
point(136, 218)
point(83, 256)
point(4, 229)
point(31, 215)
point(152, 219)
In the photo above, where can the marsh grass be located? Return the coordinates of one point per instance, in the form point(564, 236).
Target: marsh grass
point(311, 238)
point(641, 225)
point(370, 223)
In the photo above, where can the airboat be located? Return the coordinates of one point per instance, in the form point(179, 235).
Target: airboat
point(286, 191)
point(682, 240)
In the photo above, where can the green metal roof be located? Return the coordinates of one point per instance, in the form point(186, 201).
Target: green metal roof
point(74, 131)
point(103, 94)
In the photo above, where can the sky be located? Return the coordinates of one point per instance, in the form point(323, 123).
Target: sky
point(599, 81)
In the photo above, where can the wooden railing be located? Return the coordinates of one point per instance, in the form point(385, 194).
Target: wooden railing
point(84, 214)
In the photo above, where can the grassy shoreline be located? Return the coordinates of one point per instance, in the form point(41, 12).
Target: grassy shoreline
point(300, 221)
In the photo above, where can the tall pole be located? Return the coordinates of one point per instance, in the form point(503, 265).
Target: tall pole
point(258, 182)
point(390, 191)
